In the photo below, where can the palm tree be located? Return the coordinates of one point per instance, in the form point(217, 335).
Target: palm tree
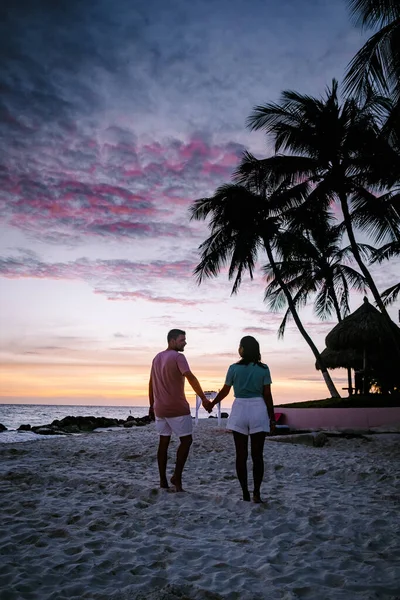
point(315, 264)
point(242, 224)
point(330, 148)
point(392, 249)
point(377, 64)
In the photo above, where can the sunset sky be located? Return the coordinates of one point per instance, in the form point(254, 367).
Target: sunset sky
point(114, 118)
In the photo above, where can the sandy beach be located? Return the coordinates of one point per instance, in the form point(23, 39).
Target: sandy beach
point(83, 517)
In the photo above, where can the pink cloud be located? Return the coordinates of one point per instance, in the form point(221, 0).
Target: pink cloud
point(148, 297)
point(69, 187)
point(115, 273)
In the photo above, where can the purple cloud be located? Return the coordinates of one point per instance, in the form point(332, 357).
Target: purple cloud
point(64, 189)
point(115, 279)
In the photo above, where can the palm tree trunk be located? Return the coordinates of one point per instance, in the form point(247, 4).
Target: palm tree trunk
point(328, 380)
point(339, 318)
point(365, 271)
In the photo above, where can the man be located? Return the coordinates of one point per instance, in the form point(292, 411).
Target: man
point(169, 407)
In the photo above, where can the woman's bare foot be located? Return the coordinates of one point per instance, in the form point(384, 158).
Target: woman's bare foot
point(246, 496)
point(177, 484)
point(164, 484)
point(257, 498)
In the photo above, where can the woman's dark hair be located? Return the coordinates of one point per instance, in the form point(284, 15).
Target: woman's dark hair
point(251, 351)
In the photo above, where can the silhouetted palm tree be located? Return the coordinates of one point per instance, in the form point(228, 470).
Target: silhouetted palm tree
point(330, 147)
point(242, 224)
point(315, 267)
point(377, 64)
point(387, 251)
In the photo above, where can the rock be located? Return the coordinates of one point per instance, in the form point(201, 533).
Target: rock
point(46, 430)
point(84, 424)
point(79, 424)
point(136, 421)
point(317, 439)
point(320, 439)
point(224, 415)
point(3, 427)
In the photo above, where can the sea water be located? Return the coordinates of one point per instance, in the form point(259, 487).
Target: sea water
point(14, 415)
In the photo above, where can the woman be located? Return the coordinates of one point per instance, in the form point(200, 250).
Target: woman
point(252, 411)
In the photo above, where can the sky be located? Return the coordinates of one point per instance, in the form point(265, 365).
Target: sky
point(114, 118)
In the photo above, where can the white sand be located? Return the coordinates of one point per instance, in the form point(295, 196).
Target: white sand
point(82, 517)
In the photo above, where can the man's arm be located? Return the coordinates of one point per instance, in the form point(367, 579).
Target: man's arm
point(151, 399)
point(194, 382)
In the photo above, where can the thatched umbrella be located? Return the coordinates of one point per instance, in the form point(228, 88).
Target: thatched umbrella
point(367, 332)
point(365, 329)
point(341, 359)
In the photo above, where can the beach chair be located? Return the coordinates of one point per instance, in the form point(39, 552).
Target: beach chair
point(280, 426)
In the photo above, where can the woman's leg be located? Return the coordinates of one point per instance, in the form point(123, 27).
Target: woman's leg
point(257, 449)
point(241, 445)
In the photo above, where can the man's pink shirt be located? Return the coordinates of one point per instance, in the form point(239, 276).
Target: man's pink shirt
point(168, 382)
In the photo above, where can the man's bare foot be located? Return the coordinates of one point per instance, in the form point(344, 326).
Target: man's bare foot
point(164, 484)
point(246, 496)
point(177, 484)
point(257, 498)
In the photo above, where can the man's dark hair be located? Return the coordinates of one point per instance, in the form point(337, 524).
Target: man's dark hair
point(251, 352)
point(174, 334)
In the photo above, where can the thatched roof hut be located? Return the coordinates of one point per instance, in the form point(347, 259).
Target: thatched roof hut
point(365, 341)
point(341, 359)
point(366, 329)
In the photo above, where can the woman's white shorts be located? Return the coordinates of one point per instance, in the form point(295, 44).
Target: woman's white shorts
point(248, 415)
point(181, 426)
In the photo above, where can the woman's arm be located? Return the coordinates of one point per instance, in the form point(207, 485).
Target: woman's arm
point(267, 395)
point(151, 399)
point(221, 395)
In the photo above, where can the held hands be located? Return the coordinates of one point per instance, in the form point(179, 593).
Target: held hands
point(207, 405)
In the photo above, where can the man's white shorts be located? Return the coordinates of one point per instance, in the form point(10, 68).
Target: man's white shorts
point(248, 415)
point(180, 426)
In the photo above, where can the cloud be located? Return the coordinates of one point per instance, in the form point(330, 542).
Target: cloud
point(29, 265)
point(260, 330)
point(115, 279)
point(114, 118)
point(112, 191)
point(148, 297)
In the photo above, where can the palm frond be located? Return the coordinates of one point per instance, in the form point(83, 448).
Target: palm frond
point(390, 295)
point(376, 215)
point(376, 64)
point(390, 250)
point(374, 13)
point(324, 303)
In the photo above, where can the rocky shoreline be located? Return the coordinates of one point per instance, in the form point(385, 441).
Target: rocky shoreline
point(80, 424)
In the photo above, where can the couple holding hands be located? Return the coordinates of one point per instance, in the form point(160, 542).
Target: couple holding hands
point(252, 411)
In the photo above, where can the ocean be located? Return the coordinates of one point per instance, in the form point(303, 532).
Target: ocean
point(14, 415)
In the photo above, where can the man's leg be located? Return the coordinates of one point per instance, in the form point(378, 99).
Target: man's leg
point(257, 449)
point(181, 458)
point(241, 445)
point(162, 458)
